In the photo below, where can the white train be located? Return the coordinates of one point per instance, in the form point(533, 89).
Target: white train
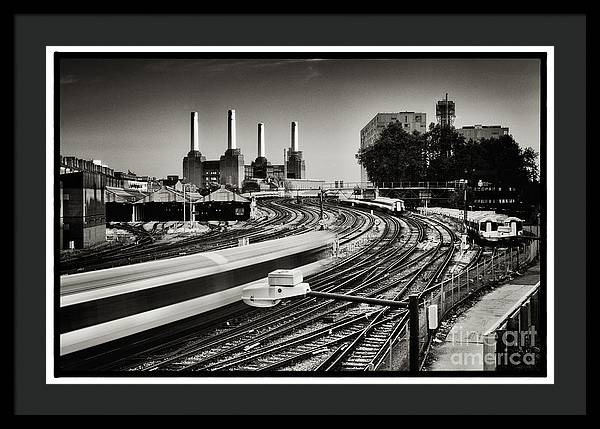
point(487, 225)
point(264, 194)
point(104, 305)
point(389, 205)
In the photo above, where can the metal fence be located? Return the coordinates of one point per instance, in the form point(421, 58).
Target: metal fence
point(419, 185)
point(513, 342)
point(449, 293)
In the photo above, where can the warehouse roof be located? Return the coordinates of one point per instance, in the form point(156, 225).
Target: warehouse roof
point(121, 195)
point(223, 195)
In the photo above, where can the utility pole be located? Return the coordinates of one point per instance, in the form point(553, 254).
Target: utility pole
point(413, 333)
point(321, 199)
point(465, 208)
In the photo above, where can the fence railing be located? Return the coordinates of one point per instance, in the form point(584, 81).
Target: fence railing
point(513, 342)
point(401, 184)
point(449, 293)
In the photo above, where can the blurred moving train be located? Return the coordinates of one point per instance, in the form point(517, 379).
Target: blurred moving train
point(488, 226)
point(104, 305)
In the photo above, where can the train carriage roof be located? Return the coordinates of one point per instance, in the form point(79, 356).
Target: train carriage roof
point(388, 200)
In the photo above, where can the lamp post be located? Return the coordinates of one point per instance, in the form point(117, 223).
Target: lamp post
point(468, 177)
point(465, 208)
point(283, 284)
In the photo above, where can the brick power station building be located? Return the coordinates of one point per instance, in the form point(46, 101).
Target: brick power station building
point(230, 168)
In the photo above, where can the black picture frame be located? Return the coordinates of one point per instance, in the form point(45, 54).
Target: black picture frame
point(566, 33)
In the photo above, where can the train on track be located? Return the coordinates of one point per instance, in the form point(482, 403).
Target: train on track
point(264, 194)
point(105, 305)
point(388, 205)
point(488, 226)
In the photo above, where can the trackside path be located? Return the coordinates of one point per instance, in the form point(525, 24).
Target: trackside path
point(462, 348)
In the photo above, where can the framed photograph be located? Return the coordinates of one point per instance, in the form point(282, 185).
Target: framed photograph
point(303, 220)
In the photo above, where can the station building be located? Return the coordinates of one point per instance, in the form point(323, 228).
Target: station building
point(164, 204)
point(478, 132)
point(124, 205)
point(222, 205)
point(132, 181)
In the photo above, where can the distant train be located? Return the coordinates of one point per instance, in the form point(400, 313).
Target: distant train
point(488, 226)
point(388, 205)
point(264, 194)
point(495, 227)
point(370, 194)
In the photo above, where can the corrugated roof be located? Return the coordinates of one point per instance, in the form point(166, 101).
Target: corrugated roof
point(224, 195)
point(126, 195)
point(169, 194)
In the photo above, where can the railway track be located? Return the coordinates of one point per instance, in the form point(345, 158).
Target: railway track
point(348, 223)
point(210, 350)
point(355, 347)
point(312, 334)
point(284, 219)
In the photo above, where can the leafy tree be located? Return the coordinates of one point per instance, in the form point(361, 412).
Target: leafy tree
point(443, 155)
point(396, 156)
point(529, 163)
point(504, 163)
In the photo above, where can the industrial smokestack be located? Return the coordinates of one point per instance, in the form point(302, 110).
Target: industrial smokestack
point(195, 144)
point(294, 136)
point(261, 139)
point(231, 143)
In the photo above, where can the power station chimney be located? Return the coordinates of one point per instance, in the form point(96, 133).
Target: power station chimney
point(294, 136)
point(231, 143)
point(195, 144)
point(261, 140)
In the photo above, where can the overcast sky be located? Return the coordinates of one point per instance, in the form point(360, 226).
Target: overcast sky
point(135, 114)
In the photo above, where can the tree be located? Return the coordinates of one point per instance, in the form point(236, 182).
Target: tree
point(446, 151)
point(504, 163)
point(442, 154)
point(396, 156)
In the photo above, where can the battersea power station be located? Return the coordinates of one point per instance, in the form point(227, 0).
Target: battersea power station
point(230, 169)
